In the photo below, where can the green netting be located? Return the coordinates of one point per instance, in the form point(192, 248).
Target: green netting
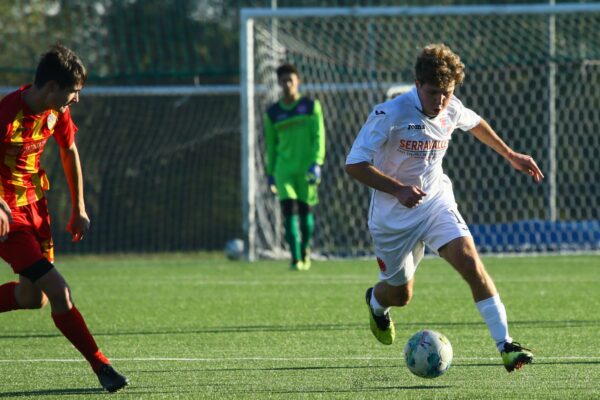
point(146, 41)
point(509, 75)
point(161, 173)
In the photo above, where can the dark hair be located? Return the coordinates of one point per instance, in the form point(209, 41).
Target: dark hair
point(62, 65)
point(287, 69)
point(438, 65)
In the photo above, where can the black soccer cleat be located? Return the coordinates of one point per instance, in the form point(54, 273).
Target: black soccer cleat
point(110, 379)
point(515, 356)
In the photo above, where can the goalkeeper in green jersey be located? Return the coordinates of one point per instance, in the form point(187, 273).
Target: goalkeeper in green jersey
point(295, 141)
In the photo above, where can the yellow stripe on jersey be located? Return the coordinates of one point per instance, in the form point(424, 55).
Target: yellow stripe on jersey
point(30, 163)
point(37, 130)
point(21, 196)
point(40, 184)
point(17, 128)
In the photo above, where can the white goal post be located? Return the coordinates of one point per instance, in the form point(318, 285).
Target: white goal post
point(530, 68)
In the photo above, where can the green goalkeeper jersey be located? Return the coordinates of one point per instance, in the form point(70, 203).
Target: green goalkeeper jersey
point(295, 136)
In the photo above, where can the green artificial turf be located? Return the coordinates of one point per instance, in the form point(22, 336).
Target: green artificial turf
point(200, 326)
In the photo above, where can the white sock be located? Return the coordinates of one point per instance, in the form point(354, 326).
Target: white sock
point(494, 314)
point(378, 309)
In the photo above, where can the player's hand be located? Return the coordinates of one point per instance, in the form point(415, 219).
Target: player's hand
point(78, 225)
point(5, 219)
point(410, 196)
point(271, 183)
point(527, 165)
point(313, 175)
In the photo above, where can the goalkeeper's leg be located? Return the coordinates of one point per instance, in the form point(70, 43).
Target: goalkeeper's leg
point(307, 228)
point(292, 233)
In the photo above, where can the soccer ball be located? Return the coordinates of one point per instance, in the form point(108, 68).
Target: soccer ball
point(428, 354)
point(234, 249)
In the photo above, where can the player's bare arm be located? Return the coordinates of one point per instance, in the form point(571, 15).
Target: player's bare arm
point(79, 222)
point(520, 162)
point(5, 219)
point(409, 196)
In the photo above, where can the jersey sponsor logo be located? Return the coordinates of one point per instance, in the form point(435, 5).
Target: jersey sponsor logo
point(379, 112)
point(25, 149)
point(423, 145)
point(416, 126)
point(430, 150)
point(381, 264)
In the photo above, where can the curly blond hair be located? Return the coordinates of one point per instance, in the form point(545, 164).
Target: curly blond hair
point(438, 65)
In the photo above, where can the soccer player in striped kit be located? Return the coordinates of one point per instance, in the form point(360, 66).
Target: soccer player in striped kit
point(29, 116)
point(398, 152)
point(295, 141)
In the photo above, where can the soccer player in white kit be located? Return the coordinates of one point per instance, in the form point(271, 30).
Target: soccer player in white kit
point(398, 152)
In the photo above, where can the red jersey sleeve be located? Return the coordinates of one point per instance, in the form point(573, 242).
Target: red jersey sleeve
point(9, 106)
point(65, 129)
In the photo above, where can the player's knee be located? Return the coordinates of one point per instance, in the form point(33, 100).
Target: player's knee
point(473, 269)
point(470, 264)
point(59, 296)
point(43, 301)
point(33, 302)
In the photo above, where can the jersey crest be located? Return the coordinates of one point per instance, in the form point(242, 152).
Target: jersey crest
point(51, 121)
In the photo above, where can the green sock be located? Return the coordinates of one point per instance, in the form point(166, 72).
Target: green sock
point(292, 236)
point(307, 227)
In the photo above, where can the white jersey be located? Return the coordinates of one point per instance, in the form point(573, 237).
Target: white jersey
point(402, 142)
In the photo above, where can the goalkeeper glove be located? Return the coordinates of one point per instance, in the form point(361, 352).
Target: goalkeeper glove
point(271, 182)
point(314, 174)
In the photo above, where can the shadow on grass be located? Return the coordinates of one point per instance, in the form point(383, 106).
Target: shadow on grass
point(535, 362)
point(238, 369)
point(53, 392)
point(228, 390)
point(308, 328)
point(352, 390)
point(565, 362)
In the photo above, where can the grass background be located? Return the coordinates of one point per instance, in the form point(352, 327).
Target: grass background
point(200, 326)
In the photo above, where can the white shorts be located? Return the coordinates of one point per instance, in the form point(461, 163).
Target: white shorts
point(400, 251)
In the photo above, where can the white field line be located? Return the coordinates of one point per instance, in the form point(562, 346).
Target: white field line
point(224, 359)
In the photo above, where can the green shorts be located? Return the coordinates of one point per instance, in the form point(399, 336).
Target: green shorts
point(296, 187)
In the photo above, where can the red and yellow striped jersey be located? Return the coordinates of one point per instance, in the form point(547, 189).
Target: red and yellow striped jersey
point(23, 136)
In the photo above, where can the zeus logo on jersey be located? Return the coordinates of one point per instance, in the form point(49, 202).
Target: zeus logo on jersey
point(416, 126)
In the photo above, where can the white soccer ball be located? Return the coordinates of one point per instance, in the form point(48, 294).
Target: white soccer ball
point(428, 354)
point(234, 249)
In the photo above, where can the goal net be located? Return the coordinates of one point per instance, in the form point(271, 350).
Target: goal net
point(161, 168)
point(533, 71)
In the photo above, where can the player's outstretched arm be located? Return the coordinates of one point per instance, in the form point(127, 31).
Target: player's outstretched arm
point(409, 196)
point(79, 222)
point(521, 162)
point(526, 164)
